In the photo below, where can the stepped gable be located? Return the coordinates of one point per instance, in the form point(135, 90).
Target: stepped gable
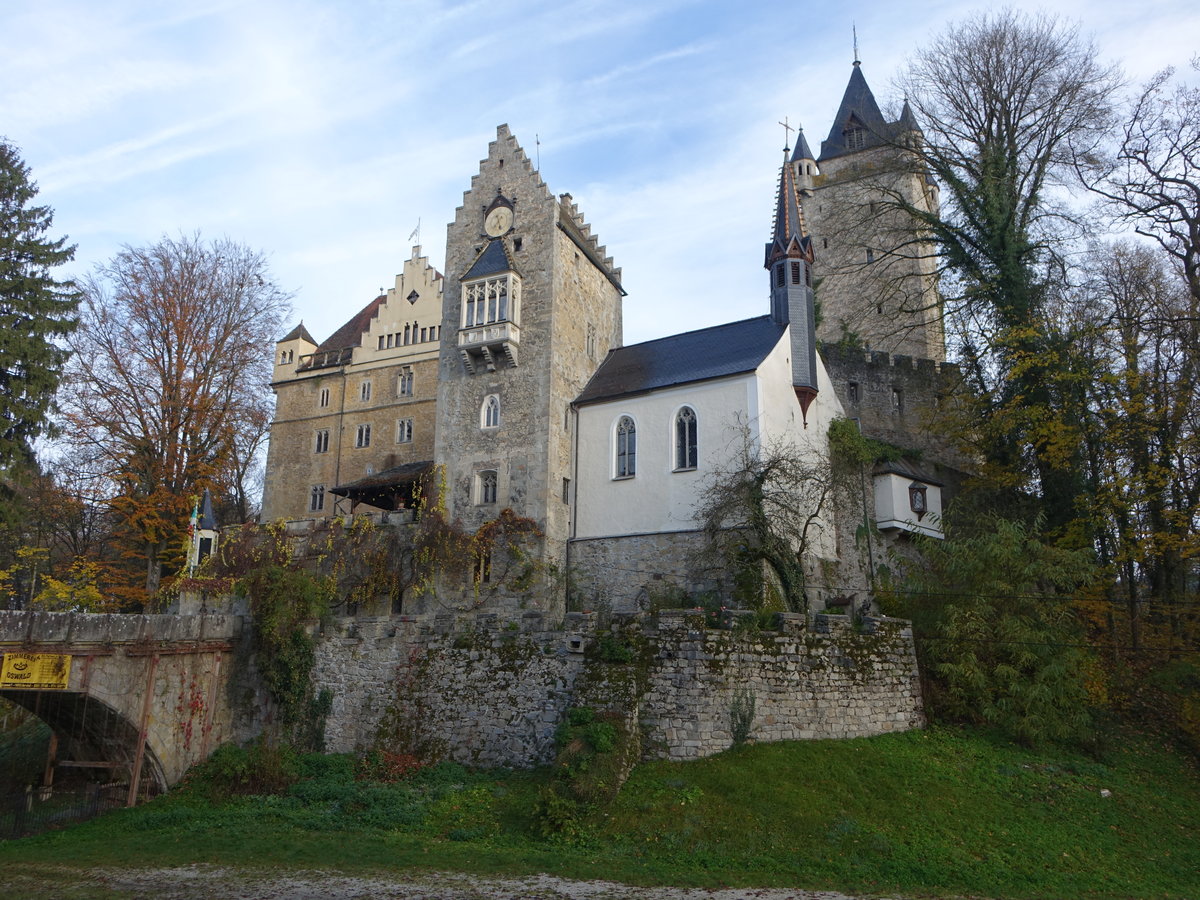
point(512, 151)
point(571, 221)
point(716, 352)
point(337, 349)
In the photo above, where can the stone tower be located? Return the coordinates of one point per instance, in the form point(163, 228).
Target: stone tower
point(877, 281)
point(531, 307)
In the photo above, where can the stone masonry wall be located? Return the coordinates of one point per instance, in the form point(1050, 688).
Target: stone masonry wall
point(490, 692)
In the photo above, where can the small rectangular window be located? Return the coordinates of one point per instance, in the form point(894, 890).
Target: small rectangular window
point(363, 437)
point(365, 391)
point(795, 272)
point(322, 441)
point(566, 490)
point(316, 498)
point(404, 431)
point(390, 339)
point(381, 342)
point(424, 332)
point(324, 401)
point(852, 392)
point(897, 400)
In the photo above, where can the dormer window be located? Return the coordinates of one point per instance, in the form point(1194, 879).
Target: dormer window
point(856, 137)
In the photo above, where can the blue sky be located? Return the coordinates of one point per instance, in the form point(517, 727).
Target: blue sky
point(321, 132)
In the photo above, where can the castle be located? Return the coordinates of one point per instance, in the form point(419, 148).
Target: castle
point(508, 373)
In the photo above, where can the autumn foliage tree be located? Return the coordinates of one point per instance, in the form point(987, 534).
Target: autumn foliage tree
point(168, 384)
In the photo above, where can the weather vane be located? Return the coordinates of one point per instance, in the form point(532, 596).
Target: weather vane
point(416, 232)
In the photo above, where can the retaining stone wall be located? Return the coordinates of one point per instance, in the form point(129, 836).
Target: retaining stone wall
point(489, 692)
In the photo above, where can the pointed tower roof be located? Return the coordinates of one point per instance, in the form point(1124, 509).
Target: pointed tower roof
point(790, 237)
point(907, 121)
point(208, 522)
point(491, 260)
point(299, 333)
point(802, 150)
point(858, 109)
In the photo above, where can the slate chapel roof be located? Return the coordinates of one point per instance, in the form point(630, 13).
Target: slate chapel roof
point(716, 352)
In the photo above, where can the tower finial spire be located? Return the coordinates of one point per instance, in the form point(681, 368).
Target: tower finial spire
point(854, 31)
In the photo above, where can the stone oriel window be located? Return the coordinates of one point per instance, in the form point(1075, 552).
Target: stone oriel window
point(491, 300)
point(363, 436)
point(626, 448)
point(687, 448)
point(316, 498)
point(404, 431)
point(322, 445)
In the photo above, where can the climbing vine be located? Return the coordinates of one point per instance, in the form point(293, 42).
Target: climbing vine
point(283, 602)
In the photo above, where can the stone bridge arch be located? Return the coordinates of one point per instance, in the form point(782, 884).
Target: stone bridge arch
point(144, 695)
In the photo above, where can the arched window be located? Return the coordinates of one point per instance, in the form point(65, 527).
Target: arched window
point(626, 448)
point(488, 483)
point(490, 417)
point(687, 449)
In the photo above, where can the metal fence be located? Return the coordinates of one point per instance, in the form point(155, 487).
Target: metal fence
point(40, 809)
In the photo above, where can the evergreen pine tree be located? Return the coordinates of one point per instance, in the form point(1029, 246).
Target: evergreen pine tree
point(34, 310)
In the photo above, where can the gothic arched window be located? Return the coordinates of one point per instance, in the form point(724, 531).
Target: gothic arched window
point(488, 483)
point(687, 448)
point(626, 448)
point(490, 414)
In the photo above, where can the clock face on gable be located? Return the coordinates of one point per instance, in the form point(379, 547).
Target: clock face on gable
point(498, 221)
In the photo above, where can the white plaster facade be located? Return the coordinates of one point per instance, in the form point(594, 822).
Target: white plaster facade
point(760, 405)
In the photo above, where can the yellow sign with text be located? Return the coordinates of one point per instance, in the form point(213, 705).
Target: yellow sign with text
point(35, 671)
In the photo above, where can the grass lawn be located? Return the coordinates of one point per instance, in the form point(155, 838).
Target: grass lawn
point(935, 813)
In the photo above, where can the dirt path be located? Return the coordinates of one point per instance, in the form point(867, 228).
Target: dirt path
point(216, 883)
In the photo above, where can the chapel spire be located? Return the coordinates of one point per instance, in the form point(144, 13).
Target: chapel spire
point(789, 257)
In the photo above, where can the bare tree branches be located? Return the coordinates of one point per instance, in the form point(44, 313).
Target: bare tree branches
point(1153, 180)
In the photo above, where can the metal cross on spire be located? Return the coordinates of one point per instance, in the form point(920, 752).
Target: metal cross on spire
point(787, 134)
